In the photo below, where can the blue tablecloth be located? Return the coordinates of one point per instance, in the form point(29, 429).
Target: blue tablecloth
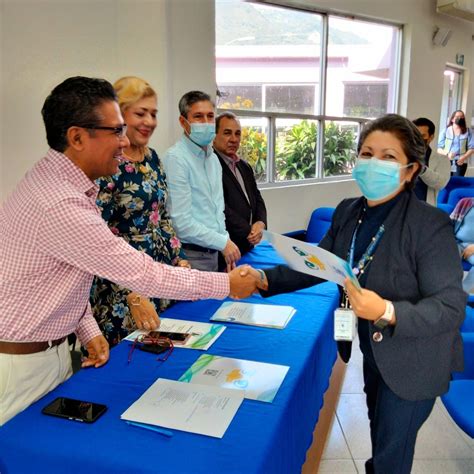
point(262, 438)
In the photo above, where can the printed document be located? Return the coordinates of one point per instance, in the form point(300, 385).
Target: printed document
point(202, 337)
point(259, 380)
point(186, 407)
point(310, 259)
point(266, 315)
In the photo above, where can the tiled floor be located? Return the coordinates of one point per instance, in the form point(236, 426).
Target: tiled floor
point(441, 446)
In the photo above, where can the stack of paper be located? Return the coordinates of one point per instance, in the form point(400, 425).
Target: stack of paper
point(269, 316)
point(186, 407)
point(202, 337)
point(260, 381)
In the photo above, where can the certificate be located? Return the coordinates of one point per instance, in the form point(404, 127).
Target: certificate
point(265, 315)
point(186, 407)
point(260, 381)
point(202, 337)
point(311, 259)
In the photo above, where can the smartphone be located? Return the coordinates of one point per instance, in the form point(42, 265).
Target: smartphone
point(176, 337)
point(76, 410)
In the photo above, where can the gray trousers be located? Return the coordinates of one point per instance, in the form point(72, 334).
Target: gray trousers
point(204, 261)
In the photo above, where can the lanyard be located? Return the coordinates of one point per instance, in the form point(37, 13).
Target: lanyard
point(369, 252)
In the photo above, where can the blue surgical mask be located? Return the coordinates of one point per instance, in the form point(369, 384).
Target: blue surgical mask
point(376, 178)
point(202, 133)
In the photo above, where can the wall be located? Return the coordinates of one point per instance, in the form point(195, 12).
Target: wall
point(171, 44)
point(154, 39)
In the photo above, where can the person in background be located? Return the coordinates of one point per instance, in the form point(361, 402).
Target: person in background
point(133, 203)
point(457, 143)
point(463, 221)
point(245, 211)
point(411, 303)
point(194, 176)
point(49, 258)
point(435, 171)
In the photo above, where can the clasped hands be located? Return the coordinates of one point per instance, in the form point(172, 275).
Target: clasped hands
point(245, 280)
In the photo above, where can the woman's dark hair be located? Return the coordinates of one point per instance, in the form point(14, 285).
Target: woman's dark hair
point(409, 136)
point(463, 129)
point(74, 102)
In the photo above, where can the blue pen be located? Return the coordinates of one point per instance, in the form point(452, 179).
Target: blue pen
point(151, 428)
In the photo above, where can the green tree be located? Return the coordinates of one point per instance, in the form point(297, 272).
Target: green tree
point(253, 149)
point(295, 156)
point(339, 149)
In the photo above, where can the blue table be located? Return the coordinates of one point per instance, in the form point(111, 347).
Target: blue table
point(262, 438)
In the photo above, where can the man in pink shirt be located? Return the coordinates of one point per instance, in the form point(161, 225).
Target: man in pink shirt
point(53, 240)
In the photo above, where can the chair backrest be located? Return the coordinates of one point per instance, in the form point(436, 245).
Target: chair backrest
point(446, 208)
point(457, 194)
point(468, 324)
point(319, 223)
point(453, 183)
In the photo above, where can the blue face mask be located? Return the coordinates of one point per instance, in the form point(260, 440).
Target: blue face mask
point(376, 178)
point(202, 133)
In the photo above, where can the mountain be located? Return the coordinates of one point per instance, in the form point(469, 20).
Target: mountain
point(241, 23)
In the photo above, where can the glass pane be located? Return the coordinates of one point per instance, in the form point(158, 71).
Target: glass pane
point(340, 145)
point(254, 145)
point(295, 154)
point(290, 98)
point(267, 57)
point(362, 69)
point(240, 97)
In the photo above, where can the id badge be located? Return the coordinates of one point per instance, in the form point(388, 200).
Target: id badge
point(345, 324)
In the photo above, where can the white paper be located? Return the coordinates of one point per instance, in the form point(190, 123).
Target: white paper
point(310, 259)
point(194, 408)
point(260, 381)
point(270, 316)
point(203, 334)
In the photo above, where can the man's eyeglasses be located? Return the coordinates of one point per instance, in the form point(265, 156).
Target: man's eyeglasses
point(120, 131)
point(157, 345)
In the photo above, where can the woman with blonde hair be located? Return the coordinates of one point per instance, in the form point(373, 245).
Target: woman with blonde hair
point(133, 202)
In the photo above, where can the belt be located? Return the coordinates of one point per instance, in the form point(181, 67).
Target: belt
point(18, 348)
point(197, 248)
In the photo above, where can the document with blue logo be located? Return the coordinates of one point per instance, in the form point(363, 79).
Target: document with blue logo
point(258, 380)
point(311, 259)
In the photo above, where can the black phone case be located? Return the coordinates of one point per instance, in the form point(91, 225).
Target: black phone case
point(155, 348)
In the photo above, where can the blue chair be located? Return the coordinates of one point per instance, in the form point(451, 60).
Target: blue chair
point(454, 183)
point(457, 194)
point(459, 400)
point(448, 208)
point(318, 225)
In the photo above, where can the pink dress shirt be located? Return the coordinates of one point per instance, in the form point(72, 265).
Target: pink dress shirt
point(53, 240)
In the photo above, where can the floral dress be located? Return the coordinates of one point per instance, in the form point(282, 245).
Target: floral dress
point(133, 202)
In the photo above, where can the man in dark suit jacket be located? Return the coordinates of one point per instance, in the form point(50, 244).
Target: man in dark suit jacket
point(245, 212)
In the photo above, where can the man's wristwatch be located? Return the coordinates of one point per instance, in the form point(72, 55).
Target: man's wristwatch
point(386, 317)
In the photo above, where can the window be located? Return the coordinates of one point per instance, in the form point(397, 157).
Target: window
point(365, 100)
point(275, 64)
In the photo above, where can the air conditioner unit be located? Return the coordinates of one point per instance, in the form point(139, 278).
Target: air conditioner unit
point(460, 8)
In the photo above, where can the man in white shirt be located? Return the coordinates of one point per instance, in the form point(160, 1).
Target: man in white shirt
point(194, 177)
point(436, 170)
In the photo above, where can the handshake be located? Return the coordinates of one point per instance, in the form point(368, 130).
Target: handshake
point(245, 280)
